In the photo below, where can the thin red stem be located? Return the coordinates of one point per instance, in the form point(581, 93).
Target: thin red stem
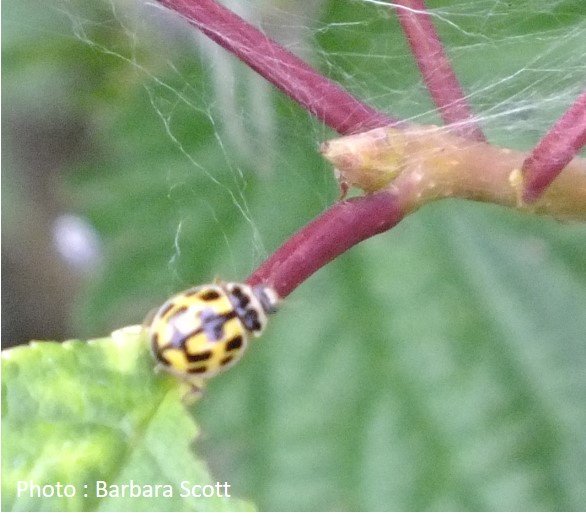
point(436, 69)
point(344, 224)
point(555, 150)
point(323, 98)
point(333, 232)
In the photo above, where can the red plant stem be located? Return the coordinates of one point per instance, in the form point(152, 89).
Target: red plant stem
point(323, 98)
point(333, 232)
point(555, 150)
point(344, 224)
point(436, 69)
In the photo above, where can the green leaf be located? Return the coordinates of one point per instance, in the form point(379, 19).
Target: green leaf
point(90, 415)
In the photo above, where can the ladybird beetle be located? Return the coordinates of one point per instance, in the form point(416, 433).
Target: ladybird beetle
point(205, 330)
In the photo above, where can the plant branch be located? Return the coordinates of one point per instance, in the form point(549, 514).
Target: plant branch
point(436, 69)
point(555, 150)
point(326, 100)
point(427, 163)
point(335, 231)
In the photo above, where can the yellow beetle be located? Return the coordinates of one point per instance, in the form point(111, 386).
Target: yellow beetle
point(205, 330)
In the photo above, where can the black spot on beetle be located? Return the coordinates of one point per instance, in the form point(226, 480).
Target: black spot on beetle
point(226, 359)
point(166, 309)
point(235, 343)
point(199, 369)
point(250, 320)
point(158, 350)
point(198, 357)
point(180, 310)
point(210, 295)
point(239, 299)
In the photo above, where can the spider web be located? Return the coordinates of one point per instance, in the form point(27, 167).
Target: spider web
point(256, 136)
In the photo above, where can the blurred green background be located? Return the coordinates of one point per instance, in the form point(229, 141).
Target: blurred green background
point(441, 366)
